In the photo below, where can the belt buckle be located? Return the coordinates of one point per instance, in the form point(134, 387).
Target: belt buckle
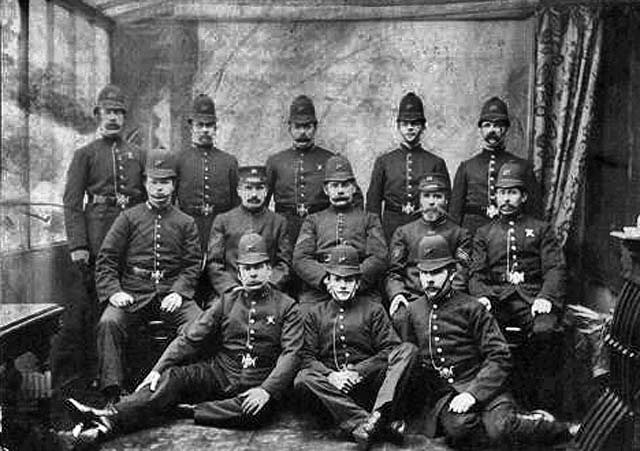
point(446, 372)
point(206, 209)
point(157, 275)
point(248, 361)
point(408, 208)
point(516, 277)
point(302, 210)
point(492, 211)
point(122, 200)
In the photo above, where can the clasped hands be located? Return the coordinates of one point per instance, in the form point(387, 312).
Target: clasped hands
point(170, 303)
point(462, 402)
point(344, 380)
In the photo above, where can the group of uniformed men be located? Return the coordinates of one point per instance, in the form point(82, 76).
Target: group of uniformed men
point(359, 309)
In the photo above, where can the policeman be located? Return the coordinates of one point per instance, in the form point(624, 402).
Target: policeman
point(352, 357)
point(395, 175)
point(342, 223)
point(403, 278)
point(147, 267)
point(251, 215)
point(259, 335)
point(207, 176)
point(109, 172)
point(464, 362)
point(519, 273)
point(473, 200)
point(295, 175)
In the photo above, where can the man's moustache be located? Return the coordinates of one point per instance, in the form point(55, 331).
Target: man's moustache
point(303, 140)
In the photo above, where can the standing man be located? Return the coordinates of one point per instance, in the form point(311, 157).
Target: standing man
point(104, 178)
point(148, 266)
point(353, 362)
point(464, 363)
point(403, 278)
point(518, 272)
point(393, 192)
point(251, 216)
point(207, 176)
point(341, 223)
point(237, 383)
point(473, 201)
point(295, 175)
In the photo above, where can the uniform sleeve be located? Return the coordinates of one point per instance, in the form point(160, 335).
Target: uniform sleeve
point(291, 341)
point(191, 260)
point(479, 284)
point(233, 183)
point(384, 339)
point(305, 263)
point(312, 347)
point(376, 186)
point(441, 167)
point(534, 205)
point(458, 194)
point(375, 262)
point(272, 175)
point(187, 344)
point(553, 268)
point(496, 363)
point(399, 253)
point(110, 257)
point(220, 279)
point(73, 199)
point(281, 272)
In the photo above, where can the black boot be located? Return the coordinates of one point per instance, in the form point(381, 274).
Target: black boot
point(82, 413)
point(85, 438)
point(366, 431)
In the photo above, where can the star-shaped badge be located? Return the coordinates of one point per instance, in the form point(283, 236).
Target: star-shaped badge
point(271, 319)
point(529, 233)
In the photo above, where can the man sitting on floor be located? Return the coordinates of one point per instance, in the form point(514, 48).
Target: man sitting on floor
point(352, 356)
point(258, 336)
point(464, 362)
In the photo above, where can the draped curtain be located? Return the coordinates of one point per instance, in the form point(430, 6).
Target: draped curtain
point(567, 65)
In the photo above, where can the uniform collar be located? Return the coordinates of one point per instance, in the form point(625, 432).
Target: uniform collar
point(206, 149)
point(305, 149)
point(111, 139)
point(256, 295)
point(404, 146)
point(496, 150)
point(346, 209)
point(436, 223)
point(443, 296)
point(515, 217)
point(259, 212)
point(156, 209)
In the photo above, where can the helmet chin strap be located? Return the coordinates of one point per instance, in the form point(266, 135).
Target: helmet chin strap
point(444, 290)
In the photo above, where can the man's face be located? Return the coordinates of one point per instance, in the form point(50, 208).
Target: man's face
point(340, 193)
point(252, 194)
point(254, 277)
point(433, 204)
point(433, 281)
point(342, 288)
point(159, 190)
point(411, 131)
point(303, 133)
point(203, 132)
point(110, 121)
point(493, 133)
point(510, 200)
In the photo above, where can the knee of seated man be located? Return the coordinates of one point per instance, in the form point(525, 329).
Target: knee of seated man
point(499, 429)
point(545, 327)
point(404, 350)
point(305, 378)
point(459, 426)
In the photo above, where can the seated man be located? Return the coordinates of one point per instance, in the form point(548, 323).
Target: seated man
point(341, 223)
point(251, 216)
point(352, 357)
point(258, 337)
point(464, 362)
point(147, 267)
point(403, 278)
point(518, 272)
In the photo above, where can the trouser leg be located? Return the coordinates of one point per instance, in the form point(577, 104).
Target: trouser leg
point(462, 429)
point(396, 380)
point(187, 312)
point(344, 410)
point(228, 413)
point(112, 336)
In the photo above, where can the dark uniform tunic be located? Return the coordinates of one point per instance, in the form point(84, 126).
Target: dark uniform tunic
point(207, 186)
point(246, 340)
point(295, 179)
point(403, 276)
point(105, 169)
point(394, 181)
point(323, 231)
point(516, 261)
point(148, 253)
point(226, 232)
point(474, 188)
point(358, 336)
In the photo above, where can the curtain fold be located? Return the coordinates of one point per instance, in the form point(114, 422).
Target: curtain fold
point(568, 53)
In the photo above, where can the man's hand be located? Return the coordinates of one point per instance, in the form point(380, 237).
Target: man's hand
point(540, 306)
point(396, 302)
point(151, 380)
point(171, 302)
point(80, 256)
point(344, 380)
point(486, 302)
point(254, 400)
point(462, 403)
point(120, 299)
